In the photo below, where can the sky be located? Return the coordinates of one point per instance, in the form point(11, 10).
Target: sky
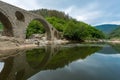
point(94, 12)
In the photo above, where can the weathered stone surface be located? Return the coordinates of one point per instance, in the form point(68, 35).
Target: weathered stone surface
point(16, 20)
point(11, 39)
point(37, 36)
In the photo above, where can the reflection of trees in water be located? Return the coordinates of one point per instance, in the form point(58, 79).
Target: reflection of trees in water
point(35, 56)
point(116, 47)
point(38, 58)
point(30, 62)
point(62, 57)
point(67, 55)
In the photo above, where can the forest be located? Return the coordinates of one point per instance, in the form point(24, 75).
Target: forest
point(69, 27)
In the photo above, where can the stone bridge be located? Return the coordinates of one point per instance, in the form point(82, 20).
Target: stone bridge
point(16, 20)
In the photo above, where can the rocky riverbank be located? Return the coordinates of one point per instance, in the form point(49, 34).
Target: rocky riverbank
point(9, 43)
point(104, 41)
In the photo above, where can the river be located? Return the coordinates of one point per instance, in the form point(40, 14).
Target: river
point(63, 62)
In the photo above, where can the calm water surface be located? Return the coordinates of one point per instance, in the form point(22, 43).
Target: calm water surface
point(63, 62)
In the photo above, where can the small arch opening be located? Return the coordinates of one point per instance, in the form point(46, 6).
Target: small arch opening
point(19, 16)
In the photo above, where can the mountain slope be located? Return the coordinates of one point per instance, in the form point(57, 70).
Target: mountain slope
point(107, 28)
point(115, 33)
point(69, 27)
point(52, 13)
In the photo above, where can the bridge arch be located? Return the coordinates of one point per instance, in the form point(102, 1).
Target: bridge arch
point(46, 25)
point(7, 29)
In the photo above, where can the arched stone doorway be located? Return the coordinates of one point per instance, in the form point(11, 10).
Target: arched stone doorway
point(7, 29)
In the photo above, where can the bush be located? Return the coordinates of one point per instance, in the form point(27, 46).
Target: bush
point(35, 27)
point(80, 31)
point(57, 23)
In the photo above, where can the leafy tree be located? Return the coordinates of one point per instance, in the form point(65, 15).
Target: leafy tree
point(52, 13)
point(57, 23)
point(95, 33)
point(34, 27)
point(76, 30)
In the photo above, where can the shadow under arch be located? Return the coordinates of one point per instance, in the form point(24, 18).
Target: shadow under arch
point(7, 29)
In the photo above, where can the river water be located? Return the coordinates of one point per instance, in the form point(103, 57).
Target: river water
point(63, 62)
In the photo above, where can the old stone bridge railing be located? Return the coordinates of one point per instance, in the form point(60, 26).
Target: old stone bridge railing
point(16, 20)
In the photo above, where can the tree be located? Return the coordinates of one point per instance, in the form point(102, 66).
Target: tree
point(34, 27)
point(58, 23)
point(81, 31)
point(69, 27)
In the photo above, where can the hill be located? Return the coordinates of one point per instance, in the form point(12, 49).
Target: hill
point(52, 13)
point(115, 33)
point(107, 28)
point(69, 27)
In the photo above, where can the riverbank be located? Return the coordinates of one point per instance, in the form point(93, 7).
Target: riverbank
point(14, 47)
point(104, 41)
point(10, 43)
point(116, 41)
point(7, 43)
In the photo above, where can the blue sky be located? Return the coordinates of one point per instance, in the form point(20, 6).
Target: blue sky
point(93, 12)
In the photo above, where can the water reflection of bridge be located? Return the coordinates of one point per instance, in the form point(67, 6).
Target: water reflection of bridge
point(28, 63)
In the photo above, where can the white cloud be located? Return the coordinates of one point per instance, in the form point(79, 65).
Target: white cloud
point(114, 22)
point(69, 9)
point(88, 14)
point(89, 11)
point(25, 4)
point(109, 22)
point(110, 55)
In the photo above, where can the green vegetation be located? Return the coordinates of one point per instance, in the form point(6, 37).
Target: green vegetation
point(107, 28)
point(116, 47)
point(63, 57)
point(51, 13)
point(115, 34)
point(58, 23)
point(69, 27)
point(76, 30)
point(1, 26)
point(68, 55)
point(35, 56)
point(34, 27)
